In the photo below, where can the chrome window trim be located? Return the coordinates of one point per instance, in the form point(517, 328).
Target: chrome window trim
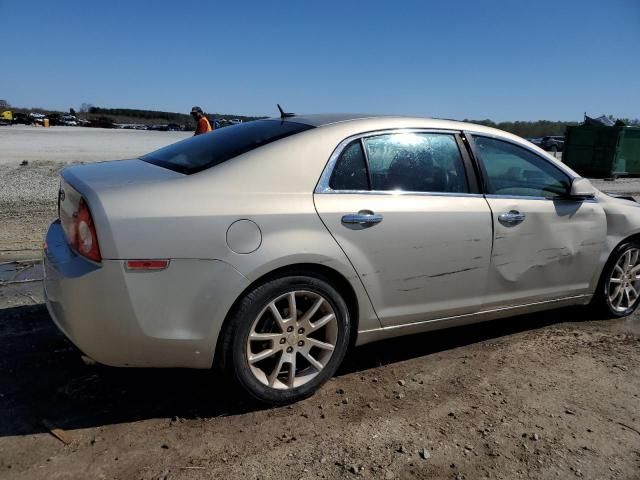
point(323, 183)
point(366, 163)
point(551, 199)
point(400, 193)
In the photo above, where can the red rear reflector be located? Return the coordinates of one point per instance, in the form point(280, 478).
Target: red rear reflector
point(147, 264)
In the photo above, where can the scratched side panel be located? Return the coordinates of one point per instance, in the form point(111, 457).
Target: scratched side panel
point(553, 253)
point(428, 258)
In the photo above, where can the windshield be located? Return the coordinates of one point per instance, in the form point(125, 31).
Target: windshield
point(205, 151)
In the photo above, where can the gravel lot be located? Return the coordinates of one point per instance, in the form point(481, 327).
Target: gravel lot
point(78, 144)
point(546, 396)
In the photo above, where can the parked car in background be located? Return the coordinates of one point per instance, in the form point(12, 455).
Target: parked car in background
point(552, 143)
point(157, 128)
point(171, 127)
point(101, 122)
point(69, 120)
point(536, 141)
point(37, 118)
point(20, 118)
point(222, 122)
point(269, 248)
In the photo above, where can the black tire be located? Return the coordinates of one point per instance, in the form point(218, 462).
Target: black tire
point(601, 301)
point(238, 326)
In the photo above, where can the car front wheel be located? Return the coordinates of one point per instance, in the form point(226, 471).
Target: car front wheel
point(287, 337)
point(618, 293)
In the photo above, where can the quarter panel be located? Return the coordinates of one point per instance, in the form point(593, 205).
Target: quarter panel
point(295, 235)
point(168, 318)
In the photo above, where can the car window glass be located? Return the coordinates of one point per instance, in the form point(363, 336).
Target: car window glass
point(513, 170)
point(416, 162)
point(205, 151)
point(350, 172)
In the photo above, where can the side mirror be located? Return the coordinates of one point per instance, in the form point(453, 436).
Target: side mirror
point(581, 188)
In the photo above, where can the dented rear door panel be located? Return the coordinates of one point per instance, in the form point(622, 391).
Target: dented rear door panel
point(428, 258)
point(553, 253)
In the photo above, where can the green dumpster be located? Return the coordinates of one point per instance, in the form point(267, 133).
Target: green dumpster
point(602, 152)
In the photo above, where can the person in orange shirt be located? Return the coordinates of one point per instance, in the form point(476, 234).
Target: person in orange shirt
point(202, 123)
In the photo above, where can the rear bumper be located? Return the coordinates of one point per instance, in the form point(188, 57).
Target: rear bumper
point(169, 318)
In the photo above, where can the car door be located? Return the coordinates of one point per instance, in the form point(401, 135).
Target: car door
point(546, 244)
point(403, 208)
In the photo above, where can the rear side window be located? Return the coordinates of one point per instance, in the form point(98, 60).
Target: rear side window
point(416, 162)
point(205, 151)
point(350, 172)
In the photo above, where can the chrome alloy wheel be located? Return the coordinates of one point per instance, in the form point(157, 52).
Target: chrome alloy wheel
point(624, 281)
point(292, 339)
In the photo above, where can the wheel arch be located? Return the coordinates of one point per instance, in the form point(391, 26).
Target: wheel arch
point(622, 222)
point(324, 272)
point(598, 299)
point(634, 237)
point(607, 256)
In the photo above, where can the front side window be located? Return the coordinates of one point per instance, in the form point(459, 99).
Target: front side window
point(513, 170)
point(416, 162)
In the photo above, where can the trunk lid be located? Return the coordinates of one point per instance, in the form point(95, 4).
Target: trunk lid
point(102, 176)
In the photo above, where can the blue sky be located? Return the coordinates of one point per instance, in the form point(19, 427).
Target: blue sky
point(504, 60)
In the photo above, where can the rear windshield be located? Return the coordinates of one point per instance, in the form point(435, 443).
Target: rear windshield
point(205, 151)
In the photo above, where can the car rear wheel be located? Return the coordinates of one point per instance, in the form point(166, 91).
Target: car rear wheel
point(287, 337)
point(618, 293)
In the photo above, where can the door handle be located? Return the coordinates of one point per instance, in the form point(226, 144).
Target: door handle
point(511, 218)
point(364, 218)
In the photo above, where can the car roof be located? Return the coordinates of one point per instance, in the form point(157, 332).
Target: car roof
point(321, 119)
point(324, 119)
point(363, 122)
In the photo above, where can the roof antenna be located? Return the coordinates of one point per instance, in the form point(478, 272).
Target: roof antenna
point(284, 114)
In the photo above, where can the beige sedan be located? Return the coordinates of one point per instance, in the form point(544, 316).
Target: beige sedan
point(267, 249)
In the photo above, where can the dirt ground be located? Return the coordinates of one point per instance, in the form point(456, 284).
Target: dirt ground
point(554, 395)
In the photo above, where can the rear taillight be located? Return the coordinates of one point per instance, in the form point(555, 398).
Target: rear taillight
point(82, 235)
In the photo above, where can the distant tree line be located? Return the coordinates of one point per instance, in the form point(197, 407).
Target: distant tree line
point(526, 129)
point(170, 117)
